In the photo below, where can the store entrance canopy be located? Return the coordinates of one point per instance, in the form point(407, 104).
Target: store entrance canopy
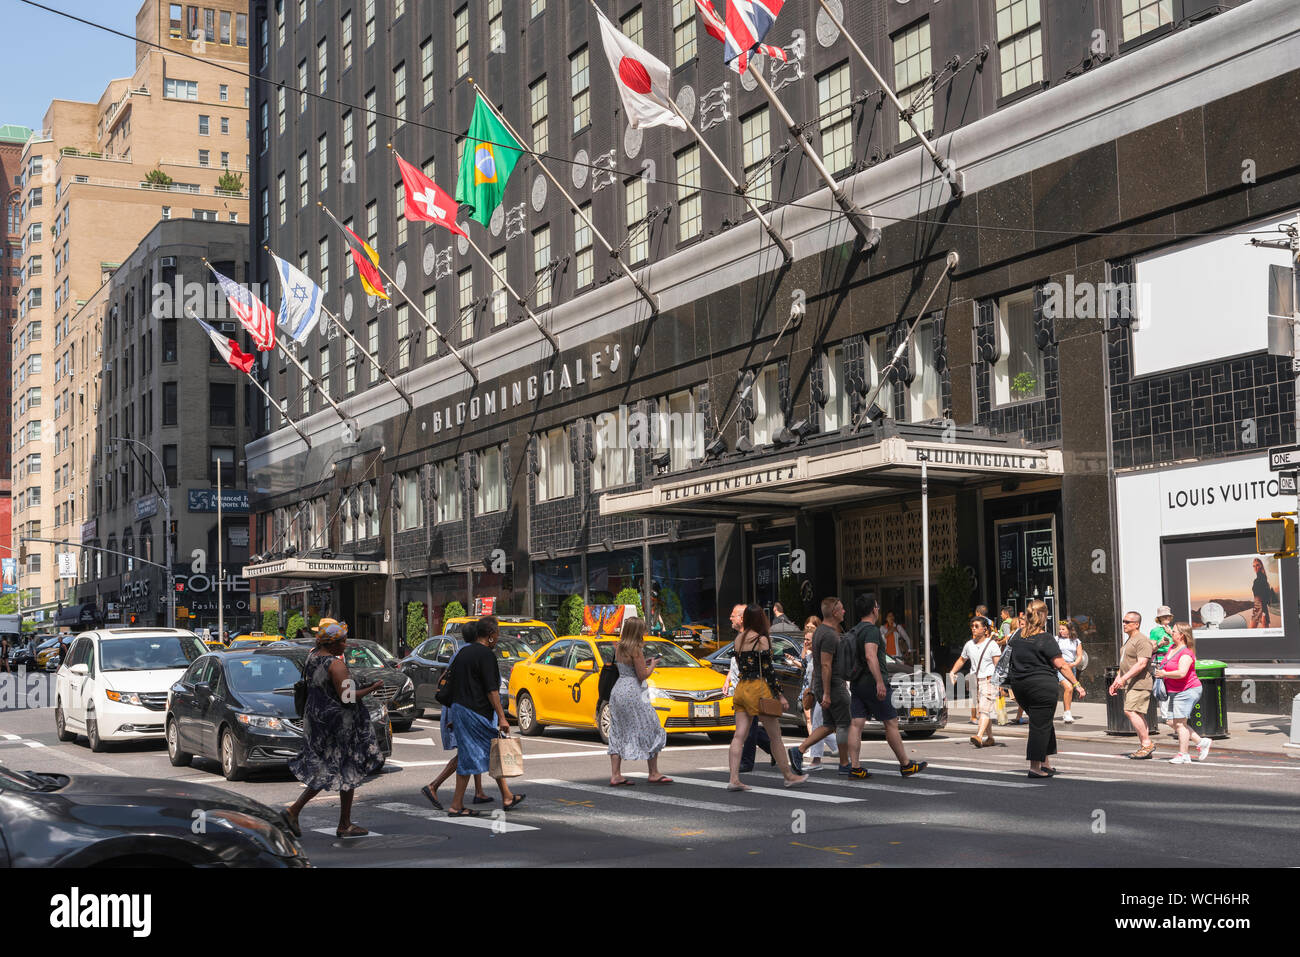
point(784, 485)
point(315, 568)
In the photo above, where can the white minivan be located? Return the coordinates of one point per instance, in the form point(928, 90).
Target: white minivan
point(113, 685)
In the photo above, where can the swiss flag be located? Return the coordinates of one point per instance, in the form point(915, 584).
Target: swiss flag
point(425, 201)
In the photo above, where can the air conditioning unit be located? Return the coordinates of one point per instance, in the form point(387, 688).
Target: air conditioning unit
point(168, 262)
point(96, 407)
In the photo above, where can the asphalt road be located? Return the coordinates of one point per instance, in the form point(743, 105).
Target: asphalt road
point(970, 808)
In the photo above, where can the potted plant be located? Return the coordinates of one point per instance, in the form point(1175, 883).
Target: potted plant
point(1024, 384)
point(417, 629)
point(158, 179)
point(569, 620)
point(271, 622)
point(230, 182)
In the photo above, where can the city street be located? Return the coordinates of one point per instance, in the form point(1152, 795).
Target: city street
point(1237, 809)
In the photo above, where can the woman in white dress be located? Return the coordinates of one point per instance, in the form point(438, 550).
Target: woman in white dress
point(635, 733)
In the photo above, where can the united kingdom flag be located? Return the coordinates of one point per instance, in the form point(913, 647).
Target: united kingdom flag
point(747, 23)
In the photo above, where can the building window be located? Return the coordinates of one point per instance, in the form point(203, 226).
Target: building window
point(615, 462)
point(399, 91)
point(169, 403)
point(542, 266)
point(583, 255)
point(540, 113)
point(322, 66)
point(322, 162)
point(690, 208)
point(426, 72)
point(221, 404)
point(279, 111)
point(370, 23)
point(1020, 44)
point(680, 433)
point(465, 300)
point(835, 107)
point(911, 72)
point(325, 368)
point(241, 29)
point(403, 336)
point(460, 25)
point(491, 493)
point(769, 417)
point(347, 139)
point(536, 8)
point(302, 179)
point(1143, 16)
point(580, 89)
point(323, 256)
point(924, 395)
point(448, 479)
point(836, 412)
point(500, 304)
point(372, 341)
point(496, 30)
point(399, 8)
point(351, 363)
point(223, 92)
point(430, 310)
point(223, 456)
point(879, 355)
point(683, 31)
point(370, 121)
point(1018, 369)
point(170, 459)
point(302, 85)
point(555, 480)
point(203, 157)
point(282, 197)
point(637, 208)
point(755, 133)
point(345, 38)
point(372, 225)
point(203, 124)
point(304, 386)
point(633, 27)
point(399, 204)
point(410, 510)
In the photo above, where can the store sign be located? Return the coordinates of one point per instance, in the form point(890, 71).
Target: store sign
point(314, 568)
point(232, 500)
point(146, 507)
point(1215, 497)
point(748, 480)
point(67, 565)
point(980, 460)
point(89, 530)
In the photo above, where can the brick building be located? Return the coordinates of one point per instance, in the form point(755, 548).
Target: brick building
point(12, 138)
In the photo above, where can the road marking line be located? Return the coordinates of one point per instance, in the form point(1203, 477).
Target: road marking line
point(1202, 764)
point(11, 737)
point(527, 757)
point(798, 794)
point(33, 744)
point(819, 778)
point(1065, 771)
point(425, 741)
point(496, 825)
point(634, 795)
point(333, 832)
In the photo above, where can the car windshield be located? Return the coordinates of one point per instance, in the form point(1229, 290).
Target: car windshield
point(149, 653)
point(384, 654)
point(359, 656)
point(262, 673)
point(533, 636)
point(671, 655)
point(511, 648)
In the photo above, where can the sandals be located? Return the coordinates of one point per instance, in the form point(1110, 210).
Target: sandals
point(483, 799)
point(660, 780)
point(433, 797)
point(352, 830)
point(292, 819)
point(625, 783)
point(463, 812)
point(1143, 754)
point(737, 787)
point(977, 741)
point(514, 802)
point(1037, 774)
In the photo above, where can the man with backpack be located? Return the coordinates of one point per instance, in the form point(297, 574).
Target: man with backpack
point(869, 688)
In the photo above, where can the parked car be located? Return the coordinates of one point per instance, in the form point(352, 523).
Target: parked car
point(254, 640)
point(113, 685)
point(237, 708)
point(23, 654)
point(366, 666)
point(920, 699)
point(46, 649)
point(425, 666)
point(558, 685)
point(61, 820)
point(533, 632)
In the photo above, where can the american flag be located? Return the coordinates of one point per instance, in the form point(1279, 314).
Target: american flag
point(743, 31)
point(253, 314)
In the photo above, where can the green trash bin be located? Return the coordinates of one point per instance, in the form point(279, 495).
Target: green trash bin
point(1210, 716)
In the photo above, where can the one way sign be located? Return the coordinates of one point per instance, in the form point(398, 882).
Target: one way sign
point(1284, 458)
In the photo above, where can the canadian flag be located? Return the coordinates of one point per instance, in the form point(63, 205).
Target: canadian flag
point(643, 81)
point(425, 201)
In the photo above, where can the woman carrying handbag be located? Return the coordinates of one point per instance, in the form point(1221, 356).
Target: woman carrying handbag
point(758, 698)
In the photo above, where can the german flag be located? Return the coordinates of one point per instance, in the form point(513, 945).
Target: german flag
point(367, 261)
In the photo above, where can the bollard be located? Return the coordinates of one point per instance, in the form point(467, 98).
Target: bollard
point(1295, 723)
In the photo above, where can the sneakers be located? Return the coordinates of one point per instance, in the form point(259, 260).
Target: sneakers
point(796, 760)
point(1203, 749)
point(859, 774)
point(846, 769)
point(1181, 759)
point(914, 767)
point(1067, 718)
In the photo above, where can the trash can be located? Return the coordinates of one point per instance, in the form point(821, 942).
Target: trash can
point(1116, 720)
point(1210, 716)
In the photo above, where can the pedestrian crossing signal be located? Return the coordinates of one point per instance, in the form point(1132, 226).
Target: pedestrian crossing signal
point(1275, 536)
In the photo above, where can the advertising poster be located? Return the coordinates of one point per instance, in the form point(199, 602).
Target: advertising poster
point(9, 570)
point(1235, 596)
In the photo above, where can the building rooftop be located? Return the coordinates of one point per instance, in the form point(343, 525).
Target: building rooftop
point(13, 133)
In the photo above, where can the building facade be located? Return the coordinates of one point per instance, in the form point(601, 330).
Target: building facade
point(168, 142)
point(12, 138)
point(755, 477)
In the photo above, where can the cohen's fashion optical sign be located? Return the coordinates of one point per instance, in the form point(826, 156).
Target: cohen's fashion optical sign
point(757, 478)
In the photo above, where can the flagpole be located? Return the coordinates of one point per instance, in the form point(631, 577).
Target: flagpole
point(418, 311)
point(270, 398)
point(956, 179)
point(319, 388)
point(506, 283)
point(860, 221)
point(410, 403)
point(646, 294)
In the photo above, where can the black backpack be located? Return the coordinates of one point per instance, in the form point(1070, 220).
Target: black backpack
point(608, 678)
point(857, 639)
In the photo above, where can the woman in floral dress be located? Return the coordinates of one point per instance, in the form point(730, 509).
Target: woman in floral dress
point(340, 749)
point(635, 733)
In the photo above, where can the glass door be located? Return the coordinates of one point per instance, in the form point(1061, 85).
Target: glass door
point(1027, 564)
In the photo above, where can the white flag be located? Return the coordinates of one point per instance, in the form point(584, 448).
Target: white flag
point(643, 81)
point(300, 301)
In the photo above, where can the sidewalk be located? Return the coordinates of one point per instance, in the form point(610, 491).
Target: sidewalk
point(1259, 733)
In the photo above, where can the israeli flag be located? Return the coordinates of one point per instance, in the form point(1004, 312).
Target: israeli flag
point(300, 302)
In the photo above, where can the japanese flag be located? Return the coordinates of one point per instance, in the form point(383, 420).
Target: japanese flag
point(642, 80)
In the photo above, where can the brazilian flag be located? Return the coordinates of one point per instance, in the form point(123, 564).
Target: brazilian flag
point(489, 158)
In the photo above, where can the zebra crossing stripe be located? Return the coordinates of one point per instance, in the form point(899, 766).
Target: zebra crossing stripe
point(636, 794)
point(494, 824)
point(802, 793)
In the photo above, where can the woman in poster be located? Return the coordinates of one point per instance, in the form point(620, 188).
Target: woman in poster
point(1264, 596)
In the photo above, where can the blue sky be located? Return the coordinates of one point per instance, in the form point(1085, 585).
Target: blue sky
point(85, 59)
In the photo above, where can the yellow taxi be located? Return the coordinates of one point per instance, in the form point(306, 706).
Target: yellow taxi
point(699, 640)
point(558, 685)
point(253, 640)
point(214, 644)
point(530, 631)
point(45, 654)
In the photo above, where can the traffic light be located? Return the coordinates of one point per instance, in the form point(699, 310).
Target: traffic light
point(1275, 536)
point(22, 552)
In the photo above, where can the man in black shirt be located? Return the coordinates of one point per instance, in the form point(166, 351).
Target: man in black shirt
point(869, 683)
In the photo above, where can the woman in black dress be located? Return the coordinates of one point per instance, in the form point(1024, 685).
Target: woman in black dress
point(1036, 662)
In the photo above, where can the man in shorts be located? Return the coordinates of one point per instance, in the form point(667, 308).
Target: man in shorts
point(1135, 680)
point(830, 674)
point(870, 687)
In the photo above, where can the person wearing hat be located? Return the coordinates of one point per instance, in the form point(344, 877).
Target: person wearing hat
point(1162, 637)
point(340, 749)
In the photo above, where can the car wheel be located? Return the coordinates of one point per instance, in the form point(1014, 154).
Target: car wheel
point(401, 726)
point(61, 725)
point(231, 759)
point(721, 737)
point(602, 721)
point(175, 755)
point(913, 735)
point(527, 711)
point(92, 735)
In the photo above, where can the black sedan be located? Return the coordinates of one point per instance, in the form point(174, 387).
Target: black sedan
point(369, 661)
point(57, 820)
point(237, 707)
point(425, 666)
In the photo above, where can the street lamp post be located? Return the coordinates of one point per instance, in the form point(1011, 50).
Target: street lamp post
point(167, 532)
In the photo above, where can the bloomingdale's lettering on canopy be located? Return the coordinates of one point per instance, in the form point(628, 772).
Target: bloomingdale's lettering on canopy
point(780, 473)
point(572, 373)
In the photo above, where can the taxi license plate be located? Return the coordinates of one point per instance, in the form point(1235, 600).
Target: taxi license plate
point(916, 713)
point(704, 710)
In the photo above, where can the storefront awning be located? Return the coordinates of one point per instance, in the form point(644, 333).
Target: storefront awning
point(315, 568)
point(783, 485)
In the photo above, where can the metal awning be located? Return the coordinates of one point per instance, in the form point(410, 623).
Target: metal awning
point(790, 485)
point(315, 568)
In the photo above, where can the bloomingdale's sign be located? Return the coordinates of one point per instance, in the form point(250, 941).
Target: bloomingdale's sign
point(527, 391)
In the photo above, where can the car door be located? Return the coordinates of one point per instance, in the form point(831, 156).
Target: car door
point(583, 685)
point(419, 669)
point(182, 705)
point(789, 676)
point(72, 688)
point(202, 725)
point(217, 708)
point(547, 682)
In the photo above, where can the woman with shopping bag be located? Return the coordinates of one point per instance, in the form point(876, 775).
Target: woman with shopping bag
point(479, 719)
